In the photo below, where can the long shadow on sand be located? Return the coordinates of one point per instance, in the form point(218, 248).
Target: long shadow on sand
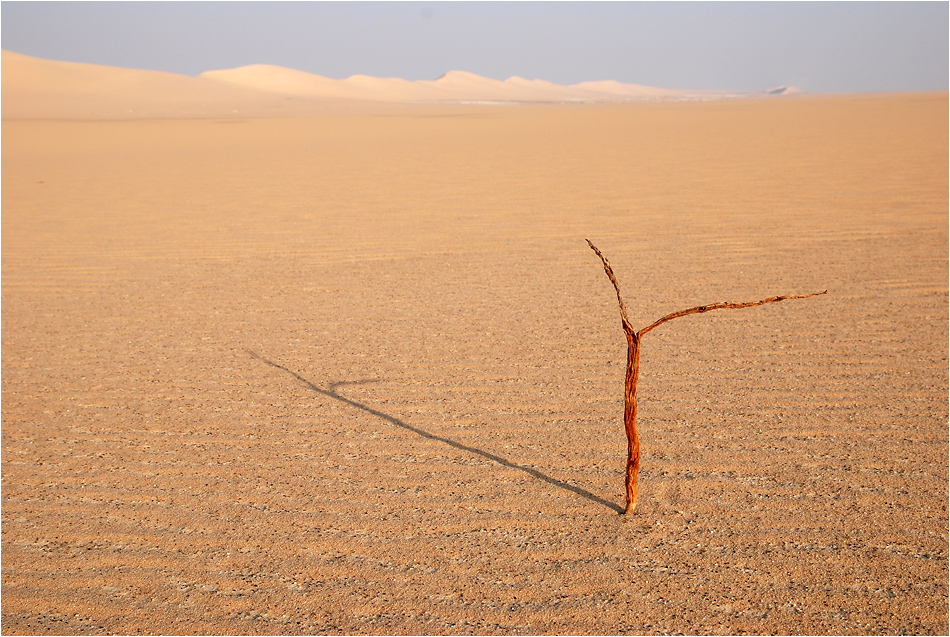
point(331, 393)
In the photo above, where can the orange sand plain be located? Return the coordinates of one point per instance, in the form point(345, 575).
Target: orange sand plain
point(358, 372)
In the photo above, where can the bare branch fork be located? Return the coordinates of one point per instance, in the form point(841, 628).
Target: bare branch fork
point(633, 368)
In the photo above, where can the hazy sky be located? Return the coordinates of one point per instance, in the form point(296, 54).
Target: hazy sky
point(816, 46)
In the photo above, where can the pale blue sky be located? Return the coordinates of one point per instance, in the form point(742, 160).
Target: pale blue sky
point(816, 46)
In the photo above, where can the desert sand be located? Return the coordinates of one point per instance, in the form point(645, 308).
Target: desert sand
point(357, 371)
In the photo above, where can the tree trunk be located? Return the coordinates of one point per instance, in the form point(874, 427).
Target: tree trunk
point(630, 418)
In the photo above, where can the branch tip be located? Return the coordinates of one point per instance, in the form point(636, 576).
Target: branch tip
point(613, 279)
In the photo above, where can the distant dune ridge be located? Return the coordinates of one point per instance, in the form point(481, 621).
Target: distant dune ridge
point(35, 88)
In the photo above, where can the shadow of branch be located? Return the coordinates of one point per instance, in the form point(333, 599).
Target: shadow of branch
point(331, 393)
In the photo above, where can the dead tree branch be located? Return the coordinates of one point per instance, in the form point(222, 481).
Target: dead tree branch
point(633, 368)
point(724, 305)
point(613, 279)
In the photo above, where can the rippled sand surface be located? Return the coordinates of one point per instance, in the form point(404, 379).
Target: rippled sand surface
point(358, 372)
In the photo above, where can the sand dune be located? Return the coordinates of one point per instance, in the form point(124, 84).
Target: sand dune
point(450, 87)
point(618, 89)
point(44, 89)
point(268, 78)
